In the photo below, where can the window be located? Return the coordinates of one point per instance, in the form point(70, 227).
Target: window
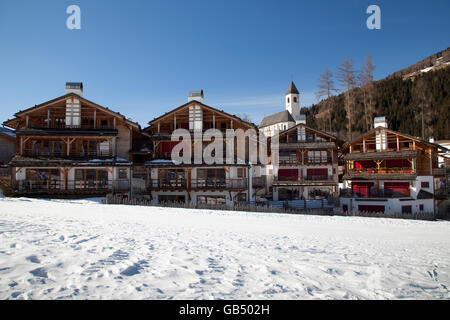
point(406, 209)
point(211, 200)
point(241, 172)
point(123, 174)
point(91, 178)
point(425, 184)
point(195, 118)
point(421, 207)
point(288, 100)
point(295, 99)
point(171, 199)
point(104, 123)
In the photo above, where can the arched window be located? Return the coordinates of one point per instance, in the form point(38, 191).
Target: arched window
point(288, 100)
point(295, 99)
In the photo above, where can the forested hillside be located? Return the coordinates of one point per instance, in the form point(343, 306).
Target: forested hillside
point(401, 101)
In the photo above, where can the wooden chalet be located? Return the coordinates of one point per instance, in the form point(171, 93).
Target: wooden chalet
point(7, 145)
point(197, 183)
point(307, 165)
point(391, 172)
point(70, 145)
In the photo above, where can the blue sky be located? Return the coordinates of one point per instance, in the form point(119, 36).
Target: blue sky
point(141, 58)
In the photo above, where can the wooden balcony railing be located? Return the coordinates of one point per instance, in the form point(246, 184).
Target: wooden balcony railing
point(45, 126)
point(381, 171)
point(307, 161)
point(382, 193)
point(197, 184)
point(63, 154)
point(304, 179)
point(70, 186)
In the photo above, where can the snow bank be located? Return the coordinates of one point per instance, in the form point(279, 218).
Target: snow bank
point(81, 249)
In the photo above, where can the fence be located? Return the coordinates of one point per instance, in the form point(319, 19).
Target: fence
point(273, 206)
point(309, 207)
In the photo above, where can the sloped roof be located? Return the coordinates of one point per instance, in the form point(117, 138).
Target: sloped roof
point(292, 89)
point(203, 105)
point(283, 116)
point(311, 129)
point(424, 195)
point(117, 114)
point(8, 133)
point(346, 145)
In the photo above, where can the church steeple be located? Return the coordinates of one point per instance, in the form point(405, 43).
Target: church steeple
point(292, 89)
point(293, 100)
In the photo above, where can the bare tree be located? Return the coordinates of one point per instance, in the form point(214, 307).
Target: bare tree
point(422, 92)
point(245, 117)
point(326, 89)
point(347, 77)
point(368, 89)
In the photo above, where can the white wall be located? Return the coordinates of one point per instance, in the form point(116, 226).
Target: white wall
point(391, 205)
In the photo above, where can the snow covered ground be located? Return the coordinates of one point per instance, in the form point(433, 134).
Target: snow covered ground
point(81, 249)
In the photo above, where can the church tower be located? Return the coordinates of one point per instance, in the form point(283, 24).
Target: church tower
point(293, 101)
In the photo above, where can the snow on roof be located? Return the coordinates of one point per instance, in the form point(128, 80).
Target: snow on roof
point(7, 132)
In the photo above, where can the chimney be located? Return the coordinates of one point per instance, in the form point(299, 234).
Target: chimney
point(196, 95)
point(74, 87)
point(380, 122)
point(301, 118)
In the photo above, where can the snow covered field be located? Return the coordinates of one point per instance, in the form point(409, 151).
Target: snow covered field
point(81, 249)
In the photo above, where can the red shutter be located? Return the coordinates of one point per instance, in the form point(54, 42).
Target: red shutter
point(288, 174)
point(367, 208)
point(362, 188)
point(397, 187)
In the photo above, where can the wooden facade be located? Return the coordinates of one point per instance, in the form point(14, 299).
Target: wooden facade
point(307, 166)
point(391, 172)
point(199, 181)
point(66, 150)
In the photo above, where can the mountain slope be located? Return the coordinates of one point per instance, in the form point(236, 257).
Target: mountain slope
point(400, 98)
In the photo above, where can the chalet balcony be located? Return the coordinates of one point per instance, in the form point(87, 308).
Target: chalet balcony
point(182, 184)
point(219, 183)
point(439, 172)
point(60, 186)
point(392, 171)
point(172, 184)
point(67, 131)
point(307, 145)
point(382, 193)
point(286, 161)
point(302, 179)
point(405, 153)
point(63, 154)
point(44, 126)
point(317, 180)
